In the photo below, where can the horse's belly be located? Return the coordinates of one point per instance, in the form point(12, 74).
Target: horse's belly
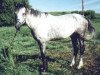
point(61, 32)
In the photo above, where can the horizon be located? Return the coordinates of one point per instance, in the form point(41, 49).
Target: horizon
point(65, 5)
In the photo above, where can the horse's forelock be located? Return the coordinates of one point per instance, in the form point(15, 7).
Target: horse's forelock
point(19, 6)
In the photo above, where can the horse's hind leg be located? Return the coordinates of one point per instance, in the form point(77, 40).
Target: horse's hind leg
point(82, 48)
point(74, 39)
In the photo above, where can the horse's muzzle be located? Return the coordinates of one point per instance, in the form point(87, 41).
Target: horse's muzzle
point(17, 26)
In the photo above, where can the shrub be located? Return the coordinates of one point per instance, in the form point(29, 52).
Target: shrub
point(89, 13)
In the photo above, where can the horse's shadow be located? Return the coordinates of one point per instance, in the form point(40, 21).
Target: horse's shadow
point(22, 58)
point(41, 67)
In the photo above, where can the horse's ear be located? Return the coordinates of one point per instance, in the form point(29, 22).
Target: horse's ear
point(16, 11)
point(18, 5)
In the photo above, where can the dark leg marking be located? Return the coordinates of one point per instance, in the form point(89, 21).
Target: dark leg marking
point(74, 39)
point(82, 46)
point(42, 46)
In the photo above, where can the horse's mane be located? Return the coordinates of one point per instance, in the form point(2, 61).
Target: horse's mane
point(35, 12)
point(32, 11)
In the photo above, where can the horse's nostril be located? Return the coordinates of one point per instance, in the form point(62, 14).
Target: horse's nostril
point(17, 28)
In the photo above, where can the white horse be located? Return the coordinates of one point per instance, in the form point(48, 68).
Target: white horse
point(45, 27)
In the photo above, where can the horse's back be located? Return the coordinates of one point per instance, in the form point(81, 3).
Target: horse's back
point(65, 25)
point(50, 27)
point(61, 26)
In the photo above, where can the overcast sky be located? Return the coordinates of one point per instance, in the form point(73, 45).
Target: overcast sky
point(65, 5)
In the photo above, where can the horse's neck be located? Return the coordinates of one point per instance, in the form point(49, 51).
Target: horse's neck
point(30, 21)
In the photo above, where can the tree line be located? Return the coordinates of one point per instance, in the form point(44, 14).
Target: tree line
point(88, 13)
point(7, 9)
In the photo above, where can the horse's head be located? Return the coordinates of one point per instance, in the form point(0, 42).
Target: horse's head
point(20, 16)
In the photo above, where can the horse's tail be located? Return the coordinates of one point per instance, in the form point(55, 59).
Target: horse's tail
point(91, 30)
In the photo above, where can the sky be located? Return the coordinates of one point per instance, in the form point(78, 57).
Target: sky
point(65, 5)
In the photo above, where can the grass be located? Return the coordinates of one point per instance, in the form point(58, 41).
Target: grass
point(27, 55)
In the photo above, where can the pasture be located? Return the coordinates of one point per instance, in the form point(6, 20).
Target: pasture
point(59, 54)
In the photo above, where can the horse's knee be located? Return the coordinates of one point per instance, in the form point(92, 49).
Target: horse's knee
point(82, 49)
point(75, 48)
point(75, 52)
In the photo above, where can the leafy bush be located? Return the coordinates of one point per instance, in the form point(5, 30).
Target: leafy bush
point(97, 35)
point(89, 13)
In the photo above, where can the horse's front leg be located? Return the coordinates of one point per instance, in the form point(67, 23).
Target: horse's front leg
point(42, 47)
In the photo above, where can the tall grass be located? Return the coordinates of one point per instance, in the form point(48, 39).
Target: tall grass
point(27, 55)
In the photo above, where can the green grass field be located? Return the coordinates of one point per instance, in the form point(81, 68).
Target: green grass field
point(26, 54)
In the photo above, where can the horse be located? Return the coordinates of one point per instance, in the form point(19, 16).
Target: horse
point(45, 27)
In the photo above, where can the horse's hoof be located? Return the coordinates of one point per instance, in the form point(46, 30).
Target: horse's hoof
point(42, 68)
point(80, 67)
point(80, 64)
point(72, 64)
point(44, 73)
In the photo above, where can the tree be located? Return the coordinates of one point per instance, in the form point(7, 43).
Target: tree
point(7, 9)
point(89, 13)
